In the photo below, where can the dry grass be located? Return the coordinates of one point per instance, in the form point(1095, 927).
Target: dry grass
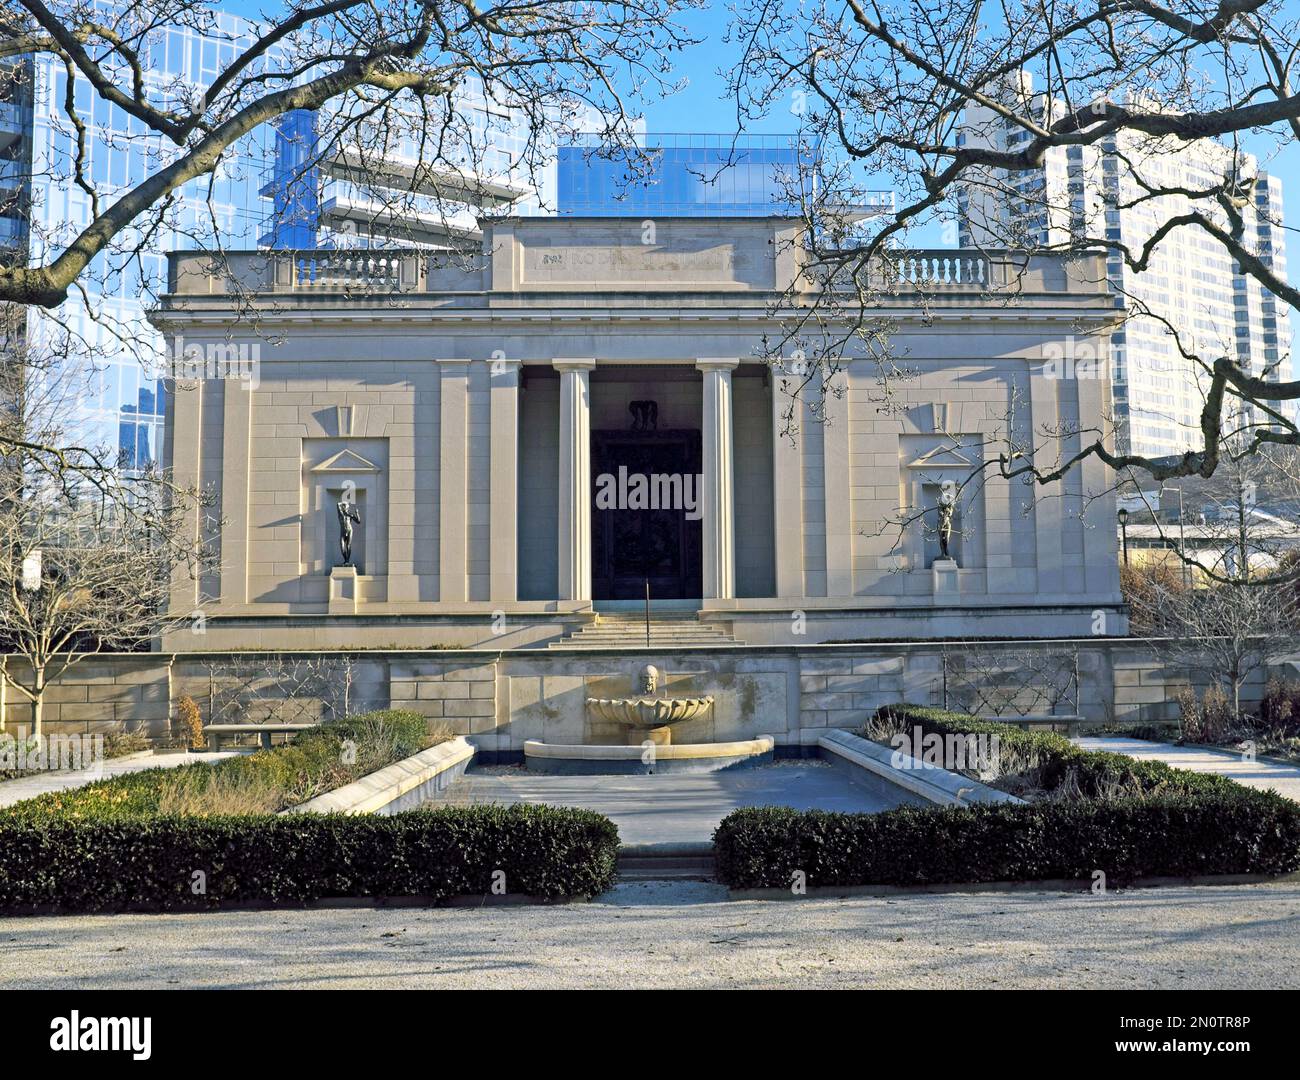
point(440, 732)
point(222, 794)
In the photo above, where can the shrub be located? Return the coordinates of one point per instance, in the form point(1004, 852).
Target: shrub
point(190, 722)
point(1280, 707)
point(150, 862)
point(121, 743)
point(1242, 832)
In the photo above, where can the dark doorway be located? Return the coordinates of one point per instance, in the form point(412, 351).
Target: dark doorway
point(629, 546)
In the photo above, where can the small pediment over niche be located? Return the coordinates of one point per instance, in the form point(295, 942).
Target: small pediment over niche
point(345, 461)
point(947, 456)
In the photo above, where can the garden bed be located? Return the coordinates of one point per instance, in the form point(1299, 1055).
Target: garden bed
point(207, 836)
point(1102, 812)
point(1037, 765)
point(313, 763)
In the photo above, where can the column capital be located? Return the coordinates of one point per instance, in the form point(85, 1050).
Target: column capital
point(572, 364)
point(451, 360)
point(504, 372)
point(717, 363)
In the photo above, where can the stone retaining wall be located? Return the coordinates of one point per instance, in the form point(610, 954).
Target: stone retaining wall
point(501, 699)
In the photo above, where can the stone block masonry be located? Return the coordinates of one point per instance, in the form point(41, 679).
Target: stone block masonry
point(499, 700)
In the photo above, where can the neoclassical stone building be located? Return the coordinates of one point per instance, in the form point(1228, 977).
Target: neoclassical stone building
point(532, 438)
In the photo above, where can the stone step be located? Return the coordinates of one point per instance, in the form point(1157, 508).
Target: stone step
point(655, 632)
point(671, 630)
point(666, 862)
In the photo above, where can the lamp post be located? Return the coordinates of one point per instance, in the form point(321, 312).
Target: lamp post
point(1123, 531)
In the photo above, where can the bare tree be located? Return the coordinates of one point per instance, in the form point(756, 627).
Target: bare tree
point(1228, 631)
point(891, 90)
point(387, 71)
point(87, 557)
point(1239, 608)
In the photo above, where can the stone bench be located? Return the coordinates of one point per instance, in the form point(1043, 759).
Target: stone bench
point(264, 731)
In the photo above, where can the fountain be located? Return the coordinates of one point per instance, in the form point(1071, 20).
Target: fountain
point(649, 717)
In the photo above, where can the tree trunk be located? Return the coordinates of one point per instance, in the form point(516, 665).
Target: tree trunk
point(38, 699)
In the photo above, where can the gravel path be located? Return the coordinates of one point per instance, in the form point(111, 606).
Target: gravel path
point(661, 934)
point(28, 787)
point(1285, 779)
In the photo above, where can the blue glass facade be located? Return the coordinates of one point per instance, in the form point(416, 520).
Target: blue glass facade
point(294, 187)
point(700, 175)
point(118, 357)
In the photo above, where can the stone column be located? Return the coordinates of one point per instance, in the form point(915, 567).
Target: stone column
point(503, 529)
point(453, 481)
point(787, 496)
point(574, 553)
point(716, 495)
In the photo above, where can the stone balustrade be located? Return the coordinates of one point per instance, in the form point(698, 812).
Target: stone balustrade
point(525, 256)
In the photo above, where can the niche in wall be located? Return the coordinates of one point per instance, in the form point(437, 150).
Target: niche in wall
point(352, 470)
point(929, 464)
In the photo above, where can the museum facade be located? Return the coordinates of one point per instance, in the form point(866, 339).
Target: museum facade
point(513, 450)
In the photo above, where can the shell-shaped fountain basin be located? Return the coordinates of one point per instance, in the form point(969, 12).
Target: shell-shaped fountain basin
point(649, 712)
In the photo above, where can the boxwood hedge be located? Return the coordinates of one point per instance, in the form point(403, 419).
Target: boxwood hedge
point(1180, 825)
point(155, 862)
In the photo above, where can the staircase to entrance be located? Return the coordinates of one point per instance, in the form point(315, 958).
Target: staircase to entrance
point(627, 629)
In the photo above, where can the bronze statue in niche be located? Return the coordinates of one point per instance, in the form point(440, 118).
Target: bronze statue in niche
point(348, 514)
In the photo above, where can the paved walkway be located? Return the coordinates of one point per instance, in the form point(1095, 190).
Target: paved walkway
point(660, 934)
point(28, 787)
point(681, 807)
point(1285, 779)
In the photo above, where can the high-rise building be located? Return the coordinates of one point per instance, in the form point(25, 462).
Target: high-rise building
point(289, 185)
point(329, 191)
point(114, 353)
point(1191, 285)
point(683, 175)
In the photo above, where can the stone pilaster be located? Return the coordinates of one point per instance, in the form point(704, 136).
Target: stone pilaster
point(503, 527)
point(453, 481)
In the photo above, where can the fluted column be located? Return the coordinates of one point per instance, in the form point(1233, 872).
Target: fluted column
point(574, 551)
point(716, 496)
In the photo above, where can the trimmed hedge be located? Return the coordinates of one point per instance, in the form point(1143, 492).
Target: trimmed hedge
point(149, 862)
point(1059, 760)
point(1181, 825)
point(310, 764)
point(1258, 833)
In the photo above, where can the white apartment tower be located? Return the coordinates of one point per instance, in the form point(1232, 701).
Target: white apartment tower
point(1191, 283)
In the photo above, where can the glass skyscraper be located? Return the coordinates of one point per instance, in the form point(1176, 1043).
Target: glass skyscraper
point(116, 356)
point(274, 189)
point(685, 175)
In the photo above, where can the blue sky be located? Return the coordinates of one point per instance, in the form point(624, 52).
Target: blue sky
point(702, 106)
